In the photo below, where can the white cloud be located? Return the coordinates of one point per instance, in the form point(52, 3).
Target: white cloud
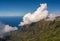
point(38, 15)
point(8, 28)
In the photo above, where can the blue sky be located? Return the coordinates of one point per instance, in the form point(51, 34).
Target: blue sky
point(21, 7)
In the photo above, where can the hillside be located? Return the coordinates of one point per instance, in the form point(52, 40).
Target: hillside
point(39, 31)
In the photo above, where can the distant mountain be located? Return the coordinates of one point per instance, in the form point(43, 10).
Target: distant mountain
point(39, 31)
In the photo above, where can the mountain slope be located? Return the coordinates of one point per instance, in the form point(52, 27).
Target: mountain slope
point(39, 31)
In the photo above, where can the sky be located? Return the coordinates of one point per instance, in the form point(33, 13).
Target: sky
point(22, 7)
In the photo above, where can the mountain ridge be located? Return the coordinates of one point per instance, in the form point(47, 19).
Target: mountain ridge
point(39, 31)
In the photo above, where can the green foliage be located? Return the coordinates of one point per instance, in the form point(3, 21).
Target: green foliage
point(40, 31)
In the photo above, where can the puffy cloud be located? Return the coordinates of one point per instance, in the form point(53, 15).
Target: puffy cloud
point(36, 16)
point(8, 28)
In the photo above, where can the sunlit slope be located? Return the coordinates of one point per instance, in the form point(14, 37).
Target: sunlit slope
point(39, 31)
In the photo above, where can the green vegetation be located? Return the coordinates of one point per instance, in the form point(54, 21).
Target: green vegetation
point(40, 31)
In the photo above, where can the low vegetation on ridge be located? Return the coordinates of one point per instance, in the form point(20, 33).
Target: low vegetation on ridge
point(39, 31)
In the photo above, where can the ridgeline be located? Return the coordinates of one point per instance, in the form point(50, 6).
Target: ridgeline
point(39, 31)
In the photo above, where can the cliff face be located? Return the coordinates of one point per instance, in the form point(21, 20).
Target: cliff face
point(39, 31)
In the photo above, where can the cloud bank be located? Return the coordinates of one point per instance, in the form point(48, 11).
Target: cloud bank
point(52, 17)
point(6, 28)
point(39, 14)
